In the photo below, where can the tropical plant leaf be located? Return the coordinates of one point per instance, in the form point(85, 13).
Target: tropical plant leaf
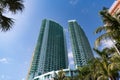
point(6, 23)
point(15, 5)
point(100, 29)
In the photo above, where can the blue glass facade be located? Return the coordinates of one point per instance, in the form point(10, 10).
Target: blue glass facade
point(81, 49)
point(50, 52)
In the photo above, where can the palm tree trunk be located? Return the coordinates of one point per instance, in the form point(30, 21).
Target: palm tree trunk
point(115, 47)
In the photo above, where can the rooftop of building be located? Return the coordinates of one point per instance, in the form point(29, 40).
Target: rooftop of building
point(72, 20)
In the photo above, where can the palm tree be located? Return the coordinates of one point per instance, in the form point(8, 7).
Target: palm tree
point(84, 73)
point(111, 28)
point(108, 65)
point(61, 75)
point(12, 6)
point(104, 67)
point(94, 69)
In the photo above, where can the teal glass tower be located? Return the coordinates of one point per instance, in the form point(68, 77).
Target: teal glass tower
point(81, 49)
point(50, 52)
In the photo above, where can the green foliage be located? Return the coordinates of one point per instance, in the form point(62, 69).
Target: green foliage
point(103, 67)
point(107, 65)
point(61, 75)
point(110, 29)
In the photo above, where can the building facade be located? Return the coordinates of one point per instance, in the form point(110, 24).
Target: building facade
point(115, 8)
point(54, 74)
point(81, 49)
point(50, 52)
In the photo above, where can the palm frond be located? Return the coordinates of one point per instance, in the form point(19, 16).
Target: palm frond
point(98, 52)
point(102, 77)
point(105, 36)
point(99, 39)
point(12, 6)
point(112, 28)
point(2, 10)
point(100, 29)
point(5, 23)
point(15, 5)
point(2, 3)
point(108, 18)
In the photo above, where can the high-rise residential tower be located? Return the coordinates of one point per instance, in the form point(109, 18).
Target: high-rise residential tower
point(50, 52)
point(81, 49)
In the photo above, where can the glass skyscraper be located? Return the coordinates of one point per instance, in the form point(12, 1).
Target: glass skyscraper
point(81, 49)
point(50, 52)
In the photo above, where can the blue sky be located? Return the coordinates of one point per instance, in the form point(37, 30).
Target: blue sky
point(17, 45)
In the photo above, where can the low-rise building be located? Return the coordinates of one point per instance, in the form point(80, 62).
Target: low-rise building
point(54, 74)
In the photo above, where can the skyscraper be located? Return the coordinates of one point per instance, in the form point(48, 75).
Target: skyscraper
point(81, 49)
point(50, 52)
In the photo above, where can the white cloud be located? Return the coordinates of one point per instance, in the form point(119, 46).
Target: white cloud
point(73, 2)
point(4, 77)
point(70, 55)
point(107, 43)
point(66, 30)
point(84, 11)
point(71, 62)
point(3, 60)
point(23, 78)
